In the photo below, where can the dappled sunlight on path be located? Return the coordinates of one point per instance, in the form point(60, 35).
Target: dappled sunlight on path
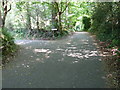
point(74, 62)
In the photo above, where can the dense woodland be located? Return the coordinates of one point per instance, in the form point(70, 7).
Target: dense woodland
point(52, 20)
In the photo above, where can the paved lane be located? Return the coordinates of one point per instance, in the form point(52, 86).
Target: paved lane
point(73, 62)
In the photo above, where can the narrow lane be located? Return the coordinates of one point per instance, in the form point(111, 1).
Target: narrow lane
point(73, 62)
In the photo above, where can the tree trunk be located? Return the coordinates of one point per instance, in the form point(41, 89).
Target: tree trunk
point(28, 17)
point(54, 15)
point(5, 11)
point(60, 24)
point(37, 23)
point(57, 15)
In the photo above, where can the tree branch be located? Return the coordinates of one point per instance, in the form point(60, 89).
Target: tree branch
point(57, 6)
point(9, 8)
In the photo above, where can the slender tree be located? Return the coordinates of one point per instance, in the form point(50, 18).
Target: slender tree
point(5, 10)
point(54, 10)
point(58, 8)
point(61, 11)
point(28, 16)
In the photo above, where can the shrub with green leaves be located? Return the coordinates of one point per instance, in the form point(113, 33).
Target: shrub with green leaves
point(7, 45)
point(106, 22)
point(87, 23)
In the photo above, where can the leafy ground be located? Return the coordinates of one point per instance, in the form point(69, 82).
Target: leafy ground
point(111, 60)
point(112, 64)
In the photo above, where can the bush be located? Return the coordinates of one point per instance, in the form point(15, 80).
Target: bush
point(116, 42)
point(106, 23)
point(87, 23)
point(7, 45)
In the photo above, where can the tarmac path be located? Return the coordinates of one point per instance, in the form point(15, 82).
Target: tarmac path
point(73, 62)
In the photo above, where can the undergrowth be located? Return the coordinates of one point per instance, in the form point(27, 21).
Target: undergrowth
point(7, 45)
point(38, 34)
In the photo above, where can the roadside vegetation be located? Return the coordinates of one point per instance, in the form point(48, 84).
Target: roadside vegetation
point(106, 26)
point(7, 46)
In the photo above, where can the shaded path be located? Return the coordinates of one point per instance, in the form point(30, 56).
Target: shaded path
point(73, 62)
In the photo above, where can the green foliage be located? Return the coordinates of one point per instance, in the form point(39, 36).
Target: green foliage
point(76, 12)
point(19, 5)
point(106, 25)
point(86, 21)
point(47, 15)
point(115, 42)
point(106, 22)
point(65, 32)
point(8, 45)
